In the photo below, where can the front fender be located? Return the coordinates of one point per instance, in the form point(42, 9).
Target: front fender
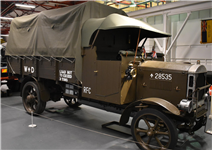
point(152, 100)
point(165, 104)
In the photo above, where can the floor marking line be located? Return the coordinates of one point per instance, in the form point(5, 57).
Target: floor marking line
point(127, 140)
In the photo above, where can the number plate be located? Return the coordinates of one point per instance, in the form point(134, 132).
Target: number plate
point(161, 76)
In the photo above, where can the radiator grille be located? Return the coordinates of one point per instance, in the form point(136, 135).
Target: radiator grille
point(199, 83)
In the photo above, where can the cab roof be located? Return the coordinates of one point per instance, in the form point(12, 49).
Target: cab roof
point(117, 21)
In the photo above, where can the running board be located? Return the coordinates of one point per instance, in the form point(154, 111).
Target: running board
point(115, 126)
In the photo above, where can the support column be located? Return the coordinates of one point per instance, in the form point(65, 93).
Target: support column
point(144, 19)
point(184, 23)
point(158, 44)
point(164, 39)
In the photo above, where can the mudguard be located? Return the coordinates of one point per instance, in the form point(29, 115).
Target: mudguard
point(152, 100)
point(44, 94)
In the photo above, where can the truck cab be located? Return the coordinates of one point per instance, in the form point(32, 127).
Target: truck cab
point(110, 45)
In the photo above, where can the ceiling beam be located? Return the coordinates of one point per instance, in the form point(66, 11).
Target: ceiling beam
point(171, 9)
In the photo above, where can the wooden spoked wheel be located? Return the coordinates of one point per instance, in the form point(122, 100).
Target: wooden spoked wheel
point(31, 99)
point(152, 129)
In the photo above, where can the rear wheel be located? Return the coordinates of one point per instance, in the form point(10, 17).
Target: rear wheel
point(31, 98)
point(152, 129)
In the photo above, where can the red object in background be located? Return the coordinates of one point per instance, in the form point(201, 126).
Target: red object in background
point(210, 91)
point(144, 51)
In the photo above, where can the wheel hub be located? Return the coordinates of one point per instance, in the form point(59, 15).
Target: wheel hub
point(151, 132)
point(30, 98)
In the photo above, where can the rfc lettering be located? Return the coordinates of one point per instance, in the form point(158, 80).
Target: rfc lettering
point(87, 90)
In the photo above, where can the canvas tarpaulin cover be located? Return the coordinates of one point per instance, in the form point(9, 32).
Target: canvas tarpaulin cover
point(116, 21)
point(55, 33)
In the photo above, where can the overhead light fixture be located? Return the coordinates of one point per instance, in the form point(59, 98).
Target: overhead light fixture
point(4, 34)
point(6, 18)
point(27, 6)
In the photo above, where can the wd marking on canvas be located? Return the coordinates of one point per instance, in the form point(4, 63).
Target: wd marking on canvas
point(64, 75)
point(87, 90)
point(29, 69)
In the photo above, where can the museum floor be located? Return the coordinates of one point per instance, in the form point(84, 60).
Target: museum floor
point(67, 128)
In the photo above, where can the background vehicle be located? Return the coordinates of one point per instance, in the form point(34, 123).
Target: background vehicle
point(96, 62)
point(11, 82)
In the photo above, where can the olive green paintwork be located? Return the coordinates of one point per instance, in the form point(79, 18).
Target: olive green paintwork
point(171, 87)
point(173, 66)
point(105, 79)
point(164, 103)
point(14, 65)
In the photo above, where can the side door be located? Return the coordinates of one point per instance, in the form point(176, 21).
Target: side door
point(108, 80)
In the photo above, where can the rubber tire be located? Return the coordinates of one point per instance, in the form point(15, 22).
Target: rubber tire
point(169, 123)
point(41, 104)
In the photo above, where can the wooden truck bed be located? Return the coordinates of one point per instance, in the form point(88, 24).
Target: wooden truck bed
point(44, 67)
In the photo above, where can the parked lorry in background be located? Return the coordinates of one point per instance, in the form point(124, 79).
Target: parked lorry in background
point(89, 55)
point(11, 81)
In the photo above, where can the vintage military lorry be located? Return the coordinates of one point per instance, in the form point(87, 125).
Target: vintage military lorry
point(88, 54)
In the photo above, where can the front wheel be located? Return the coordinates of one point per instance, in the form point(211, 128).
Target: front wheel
point(31, 98)
point(151, 129)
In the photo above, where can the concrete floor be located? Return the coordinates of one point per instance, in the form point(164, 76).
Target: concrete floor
point(72, 129)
